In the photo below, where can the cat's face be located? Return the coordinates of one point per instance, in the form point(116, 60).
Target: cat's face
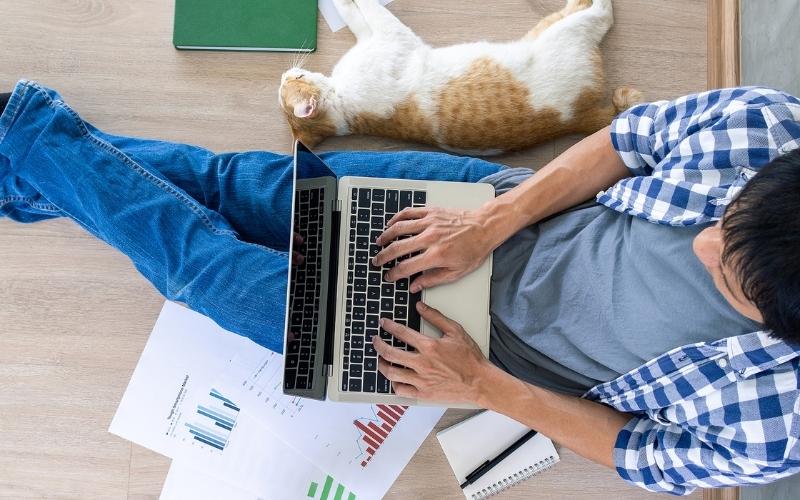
point(302, 97)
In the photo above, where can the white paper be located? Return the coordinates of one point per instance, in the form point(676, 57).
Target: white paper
point(331, 15)
point(173, 384)
point(261, 441)
point(365, 446)
point(183, 482)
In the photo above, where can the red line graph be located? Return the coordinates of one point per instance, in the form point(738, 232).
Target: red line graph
point(374, 433)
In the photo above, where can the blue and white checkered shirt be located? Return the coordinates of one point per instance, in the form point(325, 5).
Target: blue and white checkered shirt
point(709, 414)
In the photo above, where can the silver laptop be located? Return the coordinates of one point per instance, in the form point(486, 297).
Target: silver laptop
point(336, 296)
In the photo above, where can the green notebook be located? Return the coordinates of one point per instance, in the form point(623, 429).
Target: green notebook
point(274, 25)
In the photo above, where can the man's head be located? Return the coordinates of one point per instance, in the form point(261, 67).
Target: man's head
point(753, 254)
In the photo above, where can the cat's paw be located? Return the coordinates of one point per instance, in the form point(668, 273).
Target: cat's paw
point(625, 97)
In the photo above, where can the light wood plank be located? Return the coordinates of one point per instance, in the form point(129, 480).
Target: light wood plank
point(723, 44)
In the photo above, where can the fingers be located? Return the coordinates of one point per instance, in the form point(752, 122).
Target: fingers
point(414, 265)
point(437, 319)
point(432, 278)
point(401, 228)
point(405, 334)
point(397, 249)
point(405, 390)
point(393, 354)
point(398, 373)
point(408, 214)
point(297, 258)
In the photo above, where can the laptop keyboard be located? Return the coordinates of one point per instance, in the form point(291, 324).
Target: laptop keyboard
point(369, 297)
point(305, 296)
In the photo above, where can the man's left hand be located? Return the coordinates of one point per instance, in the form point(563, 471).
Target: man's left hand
point(448, 369)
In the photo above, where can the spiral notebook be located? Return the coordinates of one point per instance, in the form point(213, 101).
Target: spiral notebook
point(472, 442)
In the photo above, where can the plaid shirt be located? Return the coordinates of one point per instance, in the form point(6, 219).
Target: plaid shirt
point(709, 414)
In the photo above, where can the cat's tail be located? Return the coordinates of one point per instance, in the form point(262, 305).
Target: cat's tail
point(625, 97)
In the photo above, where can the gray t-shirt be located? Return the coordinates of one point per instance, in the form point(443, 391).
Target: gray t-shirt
point(590, 294)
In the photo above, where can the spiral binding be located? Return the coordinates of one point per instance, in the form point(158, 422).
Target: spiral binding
point(515, 479)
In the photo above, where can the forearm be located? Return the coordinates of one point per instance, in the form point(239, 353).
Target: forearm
point(585, 427)
point(575, 176)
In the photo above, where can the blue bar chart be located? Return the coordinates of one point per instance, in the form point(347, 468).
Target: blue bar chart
point(214, 420)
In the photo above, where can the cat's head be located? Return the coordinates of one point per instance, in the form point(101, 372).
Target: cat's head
point(305, 98)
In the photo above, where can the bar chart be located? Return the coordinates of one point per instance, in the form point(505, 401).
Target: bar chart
point(327, 491)
point(214, 420)
point(374, 431)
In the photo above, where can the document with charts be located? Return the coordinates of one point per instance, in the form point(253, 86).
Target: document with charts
point(366, 446)
point(179, 403)
point(171, 406)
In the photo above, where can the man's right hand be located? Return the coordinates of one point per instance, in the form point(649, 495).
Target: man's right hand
point(449, 244)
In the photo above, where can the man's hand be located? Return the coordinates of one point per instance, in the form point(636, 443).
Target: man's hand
point(452, 243)
point(448, 369)
point(297, 257)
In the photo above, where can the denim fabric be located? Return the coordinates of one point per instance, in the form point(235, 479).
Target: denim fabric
point(209, 230)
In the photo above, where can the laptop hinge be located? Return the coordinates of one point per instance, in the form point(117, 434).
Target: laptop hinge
point(333, 267)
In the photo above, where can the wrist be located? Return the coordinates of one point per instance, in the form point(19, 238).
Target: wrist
point(501, 221)
point(493, 386)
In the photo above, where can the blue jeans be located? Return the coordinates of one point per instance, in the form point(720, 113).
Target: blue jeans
point(209, 230)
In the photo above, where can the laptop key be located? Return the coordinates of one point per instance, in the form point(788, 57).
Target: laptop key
point(383, 384)
point(369, 382)
point(378, 195)
point(364, 198)
point(356, 357)
point(355, 385)
point(406, 199)
point(387, 304)
point(355, 370)
point(363, 215)
point(370, 364)
point(419, 197)
point(392, 201)
point(289, 379)
point(373, 307)
point(344, 381)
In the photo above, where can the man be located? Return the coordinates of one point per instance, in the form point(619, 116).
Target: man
point(689, 376)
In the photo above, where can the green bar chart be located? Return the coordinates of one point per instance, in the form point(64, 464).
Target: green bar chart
point(329, 490)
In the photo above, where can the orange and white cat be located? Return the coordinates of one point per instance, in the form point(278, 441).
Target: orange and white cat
point(476, 98)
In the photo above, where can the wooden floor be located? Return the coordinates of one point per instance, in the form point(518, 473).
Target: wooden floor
point(75, 315)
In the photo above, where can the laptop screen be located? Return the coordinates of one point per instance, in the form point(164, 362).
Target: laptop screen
point(314, 194)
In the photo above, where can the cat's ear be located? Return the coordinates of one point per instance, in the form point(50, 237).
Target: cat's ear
point(305, 108)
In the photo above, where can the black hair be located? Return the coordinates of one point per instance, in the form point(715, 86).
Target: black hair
point(761, 238)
